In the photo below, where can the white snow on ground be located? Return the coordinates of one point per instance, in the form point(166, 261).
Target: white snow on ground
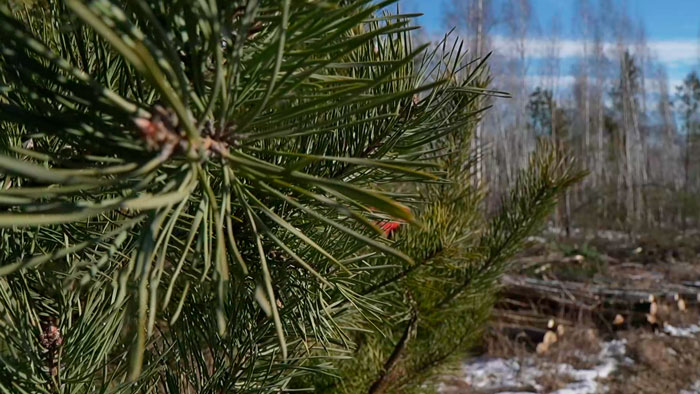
point(689, 331)
point(610, 235)
point(492, 373)
point(536, 239)
point(694, 389)
point(497, 372)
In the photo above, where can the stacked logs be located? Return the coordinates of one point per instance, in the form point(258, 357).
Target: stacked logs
point(528, 303)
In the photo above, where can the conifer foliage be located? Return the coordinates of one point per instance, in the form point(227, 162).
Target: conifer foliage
point(195, 197)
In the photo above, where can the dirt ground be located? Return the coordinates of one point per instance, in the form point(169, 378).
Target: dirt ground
point(595, 350)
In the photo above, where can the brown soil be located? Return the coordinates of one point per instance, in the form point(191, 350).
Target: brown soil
point(658, 363)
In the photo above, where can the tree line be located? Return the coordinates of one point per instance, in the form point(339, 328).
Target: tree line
point(616, 111)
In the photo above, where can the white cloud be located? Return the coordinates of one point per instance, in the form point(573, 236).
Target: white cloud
point(561, 82)
point(679, 56)
point(665, 51)
point(675, 51)
point(565, 82)
point(673, 83)
point(669, 52)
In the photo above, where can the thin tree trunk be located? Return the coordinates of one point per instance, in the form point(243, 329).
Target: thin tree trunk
point(477, 134)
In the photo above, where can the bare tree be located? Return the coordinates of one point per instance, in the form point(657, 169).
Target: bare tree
point(551, 70)
point(582, 20)
point(668, 123)
point(474, 19)
point(689, 102)
point(518, 20)
point(600, 66)
point(667, 163)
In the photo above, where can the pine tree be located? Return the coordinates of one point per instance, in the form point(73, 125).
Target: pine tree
point(242, 196)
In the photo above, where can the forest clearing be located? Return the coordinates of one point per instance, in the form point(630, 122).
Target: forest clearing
point(596, 291)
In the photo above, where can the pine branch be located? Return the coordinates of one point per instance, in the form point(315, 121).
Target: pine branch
point(389, 372)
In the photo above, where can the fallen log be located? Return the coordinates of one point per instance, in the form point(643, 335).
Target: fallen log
point(526, 263)
point(589, 294)
point(525, 298)
point(695, 284)
point(458, 386)
point(505, 389)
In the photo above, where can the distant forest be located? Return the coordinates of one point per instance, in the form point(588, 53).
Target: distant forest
point(637, 135)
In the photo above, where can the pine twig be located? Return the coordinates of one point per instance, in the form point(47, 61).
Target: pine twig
point(389, 371)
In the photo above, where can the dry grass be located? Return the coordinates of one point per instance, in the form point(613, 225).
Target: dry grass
point(500, 345)
point(662, 364)
point(553, 381)
point(576, 347)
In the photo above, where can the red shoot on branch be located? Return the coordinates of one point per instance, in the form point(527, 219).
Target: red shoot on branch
point(388, 227)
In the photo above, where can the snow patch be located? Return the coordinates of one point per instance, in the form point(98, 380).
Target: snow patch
point(689, 331)
point(536, 239)
point(610, 235)
point(492, 373)
point(694, 389)
point(498, 372)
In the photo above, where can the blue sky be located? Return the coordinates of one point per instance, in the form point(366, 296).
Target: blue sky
point(664, 19)
point(672, 27)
